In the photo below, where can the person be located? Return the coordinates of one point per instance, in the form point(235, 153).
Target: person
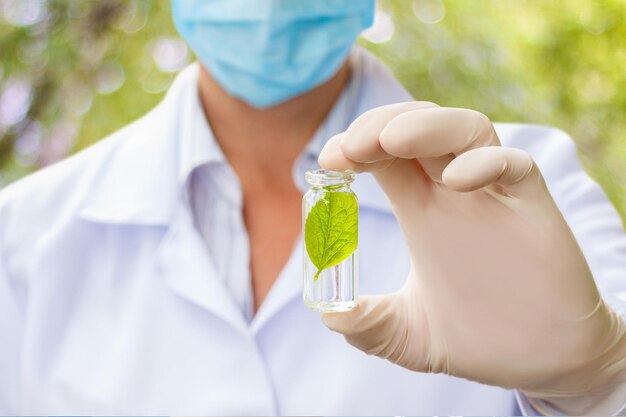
point(159, 270)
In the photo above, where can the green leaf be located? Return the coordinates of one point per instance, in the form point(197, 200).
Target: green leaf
point(331, 230)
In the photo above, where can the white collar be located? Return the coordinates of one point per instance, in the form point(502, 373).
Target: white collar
point(198, 145)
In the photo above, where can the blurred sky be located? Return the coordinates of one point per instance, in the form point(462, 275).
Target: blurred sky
point(73, 71)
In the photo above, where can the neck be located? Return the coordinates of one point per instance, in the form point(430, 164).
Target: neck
point(261, 140)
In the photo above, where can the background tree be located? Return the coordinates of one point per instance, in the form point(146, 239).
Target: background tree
point(73, 71)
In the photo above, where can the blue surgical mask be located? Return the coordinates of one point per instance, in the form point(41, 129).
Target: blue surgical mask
point(268, 51)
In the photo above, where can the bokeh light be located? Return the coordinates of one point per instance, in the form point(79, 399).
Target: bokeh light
point(170, 54)
point(14, 101)
point(23, 12)
point(109, 78)
point(429, 11)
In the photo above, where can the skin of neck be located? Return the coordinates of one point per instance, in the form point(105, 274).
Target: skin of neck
point(269, 138)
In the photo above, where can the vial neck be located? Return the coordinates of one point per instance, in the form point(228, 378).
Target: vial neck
point(329, 180)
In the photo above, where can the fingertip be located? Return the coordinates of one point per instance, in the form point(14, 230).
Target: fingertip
point(351, 147)
point(454, 179)
point(327, 319)
point(333, 158)
point(477, 168)
point(330, 156)
point(473, 169)
point(340, 322)
point(391, 138)
point(398, 137)
point(324, 157)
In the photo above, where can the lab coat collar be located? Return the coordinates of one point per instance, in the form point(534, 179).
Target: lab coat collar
point(143, 180)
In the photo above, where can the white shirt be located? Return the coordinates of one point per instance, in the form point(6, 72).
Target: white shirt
point(111, 302)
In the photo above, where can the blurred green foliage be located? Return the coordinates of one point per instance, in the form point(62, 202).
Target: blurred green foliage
point(86, 68)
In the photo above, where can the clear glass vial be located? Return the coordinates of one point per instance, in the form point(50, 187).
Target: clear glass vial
point(334, 287)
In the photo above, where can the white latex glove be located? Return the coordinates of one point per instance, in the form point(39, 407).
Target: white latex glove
point(499, 291)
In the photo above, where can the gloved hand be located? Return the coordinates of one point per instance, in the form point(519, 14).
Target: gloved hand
point(499, 291)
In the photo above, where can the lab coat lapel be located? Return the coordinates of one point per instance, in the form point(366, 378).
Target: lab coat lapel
point(185, 263)
point(142, 186)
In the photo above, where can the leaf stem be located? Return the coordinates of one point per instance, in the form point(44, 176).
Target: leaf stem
point(317, 275)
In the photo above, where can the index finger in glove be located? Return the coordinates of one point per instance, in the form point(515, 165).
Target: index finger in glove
point(360, 142)
point(358, 148)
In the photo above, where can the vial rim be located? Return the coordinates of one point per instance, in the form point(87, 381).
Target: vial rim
point(323, 177)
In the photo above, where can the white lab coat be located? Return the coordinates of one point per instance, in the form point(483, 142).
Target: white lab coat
point(109, 304)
